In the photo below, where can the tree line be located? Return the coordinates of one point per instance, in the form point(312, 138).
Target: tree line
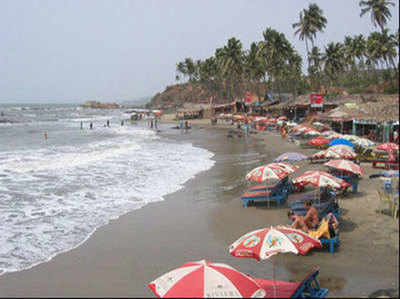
point(274, 63)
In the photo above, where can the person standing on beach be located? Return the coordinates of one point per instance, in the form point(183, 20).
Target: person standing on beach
point(151, 124)
point(122, 123)
point(108, 123)
point(45, 135)
point(81, 125)
point(156, 123)
point(91, 126)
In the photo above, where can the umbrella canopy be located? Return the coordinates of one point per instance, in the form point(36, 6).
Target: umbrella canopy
point(239, 117)
point(287, 167)
point(345, 165)
point(318, 141)
point(263, 243)
point(339, 141)
point(267, 172)
point(335, 152)
point(291, 156)
point(363, 142)
point(282, 117)
point(291, 124)
point(328, 133)
point(388, 146)
point(312, 133)
point(349, 137)
point(203, 279)
point(320, 179)
point(340, 147)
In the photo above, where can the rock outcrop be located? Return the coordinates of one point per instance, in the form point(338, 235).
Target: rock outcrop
point(96, 104)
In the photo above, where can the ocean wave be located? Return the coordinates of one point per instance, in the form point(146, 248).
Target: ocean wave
point(52, 199)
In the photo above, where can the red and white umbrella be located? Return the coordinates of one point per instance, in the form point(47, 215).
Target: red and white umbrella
point(388, 146)
point(285, 166)
point(318, 141)
point(345, 165)
point(344, 151)
point(282, 117)
point(203, 279)
point(320, 179)
point(334, 153)
point(263, 243)
point(267, 172)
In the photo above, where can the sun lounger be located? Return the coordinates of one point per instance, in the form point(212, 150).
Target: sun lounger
point(268, 193)
point(308, 288)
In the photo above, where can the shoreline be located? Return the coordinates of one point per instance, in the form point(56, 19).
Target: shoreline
point(201, 220)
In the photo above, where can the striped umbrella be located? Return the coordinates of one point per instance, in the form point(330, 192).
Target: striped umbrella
point(203, 279)
point(285, 166)
point(263, 243)
point(320, 179)
point(267, 172)
point(345, 165)
point(388, 146)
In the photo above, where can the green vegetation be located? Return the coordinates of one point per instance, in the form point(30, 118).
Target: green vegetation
point(358, 64)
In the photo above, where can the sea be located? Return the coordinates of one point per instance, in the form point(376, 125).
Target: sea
point(55, 192)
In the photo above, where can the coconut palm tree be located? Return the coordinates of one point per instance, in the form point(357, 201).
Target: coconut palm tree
point(314, 68)
point(379, 9)
point(333, 60)
point(311, 21)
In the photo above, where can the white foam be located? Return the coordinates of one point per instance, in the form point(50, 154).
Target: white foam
point(52, 199)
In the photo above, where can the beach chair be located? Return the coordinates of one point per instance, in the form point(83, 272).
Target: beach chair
point(327, 235)
point(268, 193)
point(309, 287)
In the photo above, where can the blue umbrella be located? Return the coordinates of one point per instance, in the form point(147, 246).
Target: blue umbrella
point(291, 157)
point(338, 141)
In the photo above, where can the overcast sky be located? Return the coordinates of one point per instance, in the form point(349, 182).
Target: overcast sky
point(62, 51)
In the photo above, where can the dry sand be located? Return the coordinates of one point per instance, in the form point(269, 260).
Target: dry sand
point(201, 220)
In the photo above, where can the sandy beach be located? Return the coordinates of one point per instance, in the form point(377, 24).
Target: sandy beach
point(201, 220)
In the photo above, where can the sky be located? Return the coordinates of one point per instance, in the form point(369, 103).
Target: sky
point(114, 50)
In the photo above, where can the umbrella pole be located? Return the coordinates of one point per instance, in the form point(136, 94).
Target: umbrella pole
point(273, 276)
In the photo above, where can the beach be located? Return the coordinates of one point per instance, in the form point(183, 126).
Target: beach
point(201, 220)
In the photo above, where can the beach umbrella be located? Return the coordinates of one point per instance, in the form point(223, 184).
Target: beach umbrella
point(388, 146)
point(239, 117)
point(340, 147)
point(263, 243)
point(339, 141)
point(291, 156)
point(267, 172)
point(328, 133)
point(312, 133)
point(318, 141)
point(345, 165)
point(259, 118)
point(335, 152)
point(291, 124)
point(282, 117)
point(203, 279)
point(320, 179)
point(363, 142)
point(286, 167)
point(318, 124)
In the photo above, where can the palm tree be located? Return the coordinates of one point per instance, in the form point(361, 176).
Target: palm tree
point(311, 21)
point(230, 64)
point(379, 9)
point(333, 60)
point(314, 68)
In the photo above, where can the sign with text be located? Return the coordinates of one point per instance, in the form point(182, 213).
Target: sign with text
point(316, 100)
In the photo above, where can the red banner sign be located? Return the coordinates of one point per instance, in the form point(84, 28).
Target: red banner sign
point(316, 100)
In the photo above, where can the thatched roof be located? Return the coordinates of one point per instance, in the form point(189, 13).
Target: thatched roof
point(378, 108)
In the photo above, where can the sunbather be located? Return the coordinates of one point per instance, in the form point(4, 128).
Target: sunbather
point(307, 222)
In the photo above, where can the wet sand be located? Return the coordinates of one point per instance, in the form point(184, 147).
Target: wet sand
point(201, 220)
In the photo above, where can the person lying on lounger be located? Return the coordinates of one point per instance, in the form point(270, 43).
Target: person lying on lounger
point(307, 222)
